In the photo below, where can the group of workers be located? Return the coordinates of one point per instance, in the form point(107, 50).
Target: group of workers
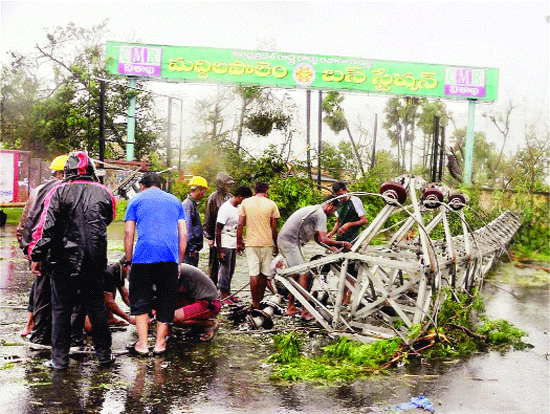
point(227, 216)
point(63, 231)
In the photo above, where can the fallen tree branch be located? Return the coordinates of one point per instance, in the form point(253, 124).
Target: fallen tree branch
point(469, 332)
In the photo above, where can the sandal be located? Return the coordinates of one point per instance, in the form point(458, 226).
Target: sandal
point(133, 351)
point(159, 353)
point(209, 333)
point(228, 301)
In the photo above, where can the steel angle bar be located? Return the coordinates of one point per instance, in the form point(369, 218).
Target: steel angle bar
point(409, 285)
point(340, 292)
point(385, 262)
point(402, 231)
point(430, 227)
point(377, 332)
point(391, 301)
point(358, 295)
point(301, 268)
point(366, 236)
point(304, 297)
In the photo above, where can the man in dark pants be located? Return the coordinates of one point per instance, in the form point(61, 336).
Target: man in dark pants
point(213, 204)
point(195, 238)
point(159, 220)
point(350, 217)
point(39, 321)
point(72, 234)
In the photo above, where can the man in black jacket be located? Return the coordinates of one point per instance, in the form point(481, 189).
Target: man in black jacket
point(39, 320)
point(72, 236)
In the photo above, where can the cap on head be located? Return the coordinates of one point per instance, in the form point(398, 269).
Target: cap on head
point(58, 163)
point(78, 163)
point(224, 179)
point(198, 181)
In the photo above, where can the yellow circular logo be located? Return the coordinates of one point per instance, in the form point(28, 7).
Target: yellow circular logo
point(303, 74)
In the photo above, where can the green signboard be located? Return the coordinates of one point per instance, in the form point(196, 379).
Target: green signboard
point(295, 70)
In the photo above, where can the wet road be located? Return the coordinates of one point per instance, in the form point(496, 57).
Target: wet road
point(229, 374)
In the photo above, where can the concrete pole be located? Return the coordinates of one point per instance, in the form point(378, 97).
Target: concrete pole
point(308, 131)
point(320, 139)
point(469, 151)
point(131, 123)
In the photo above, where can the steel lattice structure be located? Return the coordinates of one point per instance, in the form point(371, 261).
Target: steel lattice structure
point(402, 279)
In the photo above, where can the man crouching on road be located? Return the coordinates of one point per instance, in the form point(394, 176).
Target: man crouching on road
point(198, 303)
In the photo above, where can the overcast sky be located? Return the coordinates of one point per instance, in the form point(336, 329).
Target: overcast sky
point(513, 36)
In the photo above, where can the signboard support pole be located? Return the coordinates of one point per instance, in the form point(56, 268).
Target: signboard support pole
point(320, 137)
point(308, 130)
point(131, 127)
point(469, 151)
point(169, 140)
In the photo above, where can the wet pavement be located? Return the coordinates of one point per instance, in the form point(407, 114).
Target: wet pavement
point(230, 375)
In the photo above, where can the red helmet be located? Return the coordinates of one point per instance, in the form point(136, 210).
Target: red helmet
point(79, 163)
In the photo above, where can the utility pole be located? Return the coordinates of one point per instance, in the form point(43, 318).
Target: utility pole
point(308, 130)
point(169, 139)
point(469, 152)
point(372, 162)
point(320, 143)
point(131, 124)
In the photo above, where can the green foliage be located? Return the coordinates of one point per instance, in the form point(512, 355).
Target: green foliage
point(459, 308)
point(293, 193)
point(287, 348)
point(62, 113)
point(462, 330)
point(386, 167)
point(263, 122)
point(502, 335)
point(339, 160)
point(14, 215)
point(121, 205)
point(334, 117)
point(181, 189)
point(534, 234)
point(371, 356)
point(342, 360)
point(533, 237)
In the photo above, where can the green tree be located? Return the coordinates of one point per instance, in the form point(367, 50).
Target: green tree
point(484, 159)
point(502, 123)
point(20, 92)
point(426, 123)
point(248, 94)
point(530, 164)
point(65, 114)
point(339, 161)
point(402, 116)
point(337, 121)
point(212, 146)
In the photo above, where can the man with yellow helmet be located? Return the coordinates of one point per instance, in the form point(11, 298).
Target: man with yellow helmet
point(195, 237)
point(39, 319)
